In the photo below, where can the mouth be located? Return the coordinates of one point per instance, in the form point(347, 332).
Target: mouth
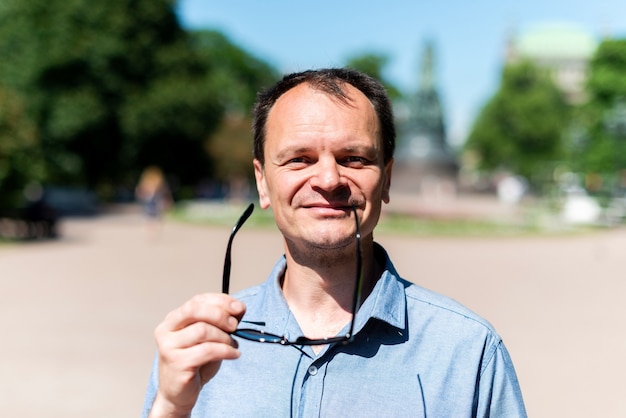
point(332, 209)
point(322, 207)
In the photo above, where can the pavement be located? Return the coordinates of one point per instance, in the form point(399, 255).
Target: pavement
point(77, 314)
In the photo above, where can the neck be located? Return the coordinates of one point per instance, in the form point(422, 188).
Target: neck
point(319, 286)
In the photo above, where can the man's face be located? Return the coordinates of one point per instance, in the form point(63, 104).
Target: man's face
point(321, 158)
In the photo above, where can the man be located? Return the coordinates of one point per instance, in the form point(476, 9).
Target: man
point(324, 144)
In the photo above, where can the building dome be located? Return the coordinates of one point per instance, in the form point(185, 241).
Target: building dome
point(556, 41)
point(564, 49)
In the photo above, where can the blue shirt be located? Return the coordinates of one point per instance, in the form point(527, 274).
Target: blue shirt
point(416, 353)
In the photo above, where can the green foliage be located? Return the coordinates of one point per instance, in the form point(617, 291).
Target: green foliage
point(373, 65)
point(606, 73)
point(107, 88)
point(20, 157)
point(232, 147)
point(604, 117)
point(522, 126)
point(87, 69)
point(235, 75)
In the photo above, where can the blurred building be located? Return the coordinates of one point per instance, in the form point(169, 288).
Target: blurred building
point(424, 162)
point(565, 49)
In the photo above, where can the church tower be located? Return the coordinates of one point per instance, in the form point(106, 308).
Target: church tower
point(424, 160)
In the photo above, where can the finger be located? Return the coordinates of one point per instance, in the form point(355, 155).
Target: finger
point(195, 356)
point(218, 309)
point(180, 369)
point(179, 365)
point(211, 352)
point(196, 333)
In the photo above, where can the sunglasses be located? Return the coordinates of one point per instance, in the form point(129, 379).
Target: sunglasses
point(265, 337)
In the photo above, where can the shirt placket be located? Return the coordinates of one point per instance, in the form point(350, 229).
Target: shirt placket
point(309, 382)
point(312, 389)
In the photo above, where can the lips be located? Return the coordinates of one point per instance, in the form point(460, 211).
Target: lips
point(327, 205)
point(330, 210)
point(343, 206)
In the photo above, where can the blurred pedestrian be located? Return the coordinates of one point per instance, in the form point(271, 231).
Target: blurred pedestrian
point(153, 193)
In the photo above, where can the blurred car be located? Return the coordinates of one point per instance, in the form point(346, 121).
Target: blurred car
point(70, 201)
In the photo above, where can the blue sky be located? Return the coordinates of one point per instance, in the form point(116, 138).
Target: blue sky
point(469, 37)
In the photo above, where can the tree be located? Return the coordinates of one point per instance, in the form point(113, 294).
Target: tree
point(20, 157)
point(603, 120)
point(236, 77)
point(110, 87)
point(521, 128)
point(373, 65)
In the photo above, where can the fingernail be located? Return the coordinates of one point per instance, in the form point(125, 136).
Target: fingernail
point(237, 306)
point(233, 322)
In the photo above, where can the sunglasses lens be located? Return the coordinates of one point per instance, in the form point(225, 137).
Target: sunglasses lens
point(258, 336)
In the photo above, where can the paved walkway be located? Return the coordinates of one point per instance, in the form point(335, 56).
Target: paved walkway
point(77, 314)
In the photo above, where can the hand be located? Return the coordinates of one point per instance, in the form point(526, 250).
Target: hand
point(192, 342)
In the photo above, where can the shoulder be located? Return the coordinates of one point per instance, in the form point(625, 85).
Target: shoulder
point(423, 304)
point(450, 324)
point(425, 300)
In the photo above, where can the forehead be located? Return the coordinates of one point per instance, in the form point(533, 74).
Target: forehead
point(306, 109)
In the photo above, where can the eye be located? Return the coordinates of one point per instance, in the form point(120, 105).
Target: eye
point(296, 162)
point(355, 161)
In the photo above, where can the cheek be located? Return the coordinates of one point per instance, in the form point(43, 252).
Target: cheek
point(283, 186)
point(375, 186)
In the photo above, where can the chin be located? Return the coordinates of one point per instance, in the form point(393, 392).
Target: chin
point(329, 242)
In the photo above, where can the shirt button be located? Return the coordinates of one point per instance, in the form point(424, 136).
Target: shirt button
point(312, 370)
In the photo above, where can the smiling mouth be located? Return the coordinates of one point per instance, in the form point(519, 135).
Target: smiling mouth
point(326, 208)
point(332, 210)
point(332, 205)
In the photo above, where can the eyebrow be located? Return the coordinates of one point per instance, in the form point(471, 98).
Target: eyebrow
point(291, 151)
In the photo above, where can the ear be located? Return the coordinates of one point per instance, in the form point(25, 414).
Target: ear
point(261, 184)
point(387, 181)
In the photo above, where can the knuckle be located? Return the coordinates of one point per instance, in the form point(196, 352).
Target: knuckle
point(189, 307)
point(200, 332)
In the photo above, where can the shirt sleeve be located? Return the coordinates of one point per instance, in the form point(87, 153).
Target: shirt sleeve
point(499, 391)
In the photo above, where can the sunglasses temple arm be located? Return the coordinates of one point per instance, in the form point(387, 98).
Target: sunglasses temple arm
point(357, 301)
point(359, 276)
point(227, 259)
point(226, 272)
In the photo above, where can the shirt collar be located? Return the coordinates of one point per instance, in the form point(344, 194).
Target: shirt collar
point(386, 302)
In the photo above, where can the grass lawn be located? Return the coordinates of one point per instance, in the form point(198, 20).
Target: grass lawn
point(536, 221)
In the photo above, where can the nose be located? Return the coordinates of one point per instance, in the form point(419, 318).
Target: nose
point(328, 175)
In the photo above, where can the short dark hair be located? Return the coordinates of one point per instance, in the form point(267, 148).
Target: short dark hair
point(329, 81)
